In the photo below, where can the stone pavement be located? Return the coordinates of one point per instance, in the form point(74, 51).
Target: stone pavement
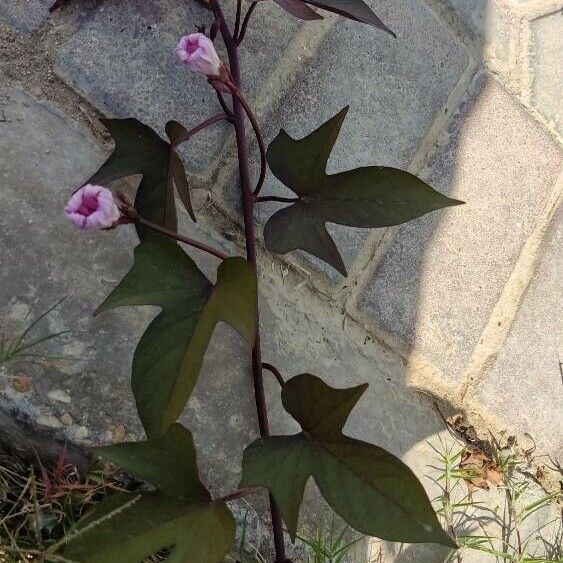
point(461, 307)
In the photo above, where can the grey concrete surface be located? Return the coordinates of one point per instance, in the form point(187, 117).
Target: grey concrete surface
point(25, 15)
point(459, 308)
point(525, 383)
point(442, 275)
point(547, 82)
point(104, 69)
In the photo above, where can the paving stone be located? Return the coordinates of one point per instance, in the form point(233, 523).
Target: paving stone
point(25, 15)
point(139, 74)
point(395, 88)
point(44, 259)
point(442, 274)
point(547, 68)
point(490, 23)
point(524, 385)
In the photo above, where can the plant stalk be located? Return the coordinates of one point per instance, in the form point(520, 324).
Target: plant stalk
point(130, 215)
point(259, 139)
point(241, 493)
point(188, 134)
point(242, 33)
point(279, 199)
point(250, 238)
point(275, 371)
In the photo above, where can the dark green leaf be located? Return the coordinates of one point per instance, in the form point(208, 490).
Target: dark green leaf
point(374, 196)
point(178, 175)
point(356, 10)
point(168, 462)
point(352, 9)
point(176, 132)
point(299, 9)
point(139, 150)
point(372, 490)
point(168, 358)
point(128, 527)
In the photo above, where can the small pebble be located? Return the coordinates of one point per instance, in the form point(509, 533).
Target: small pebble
point(21, 383)
point(59, 395)
point(118, 434)
point(49, 420)
point(66, 419)
point(82, 432)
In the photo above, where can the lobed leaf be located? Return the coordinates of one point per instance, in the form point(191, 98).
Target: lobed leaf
point(168, 462)
point(139, 150)
point(168, 358)
point(369, 197)
point(179, 515)
point(371, 489)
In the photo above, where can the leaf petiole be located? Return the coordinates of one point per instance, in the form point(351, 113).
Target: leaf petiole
point(131, 214)
point(279, 199)
point(188, 134)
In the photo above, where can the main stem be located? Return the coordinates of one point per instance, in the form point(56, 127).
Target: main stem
point(248, 213)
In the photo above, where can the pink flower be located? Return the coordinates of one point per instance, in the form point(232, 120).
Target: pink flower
point(92, 207)
point(198, 53)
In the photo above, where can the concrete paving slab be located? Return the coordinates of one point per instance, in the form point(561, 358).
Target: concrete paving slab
point(140, 76)
point(525, 383)
point(442, 275)
point(395, 88)
point(492, 26)
point(25, 15)
point(547, 74)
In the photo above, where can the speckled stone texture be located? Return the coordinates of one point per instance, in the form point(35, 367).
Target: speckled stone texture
point(25, 15)
point(138, 75)
point(458, 308)
point(547, 84)
point(394, 92)
point(441, 276)
point(524, 384)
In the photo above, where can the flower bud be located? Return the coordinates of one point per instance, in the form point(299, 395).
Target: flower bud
point(92, 207)
point(198, 53)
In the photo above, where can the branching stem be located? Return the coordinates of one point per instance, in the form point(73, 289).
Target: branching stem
point(131, 215)
point(275, 371)
point(248, 212)
point(259, 138)
point(203, 125)
point(237, 19)
point(223, 103)
point(239, 494)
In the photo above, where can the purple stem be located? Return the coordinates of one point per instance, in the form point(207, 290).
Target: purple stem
point(171, 234)
point(248, 213)
point(261, 144)
point(239, 494)
point(277, 198)
point(275, 371)
point(242, 33)
point(237, 19)
point(189, 134)
point(224, 104)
